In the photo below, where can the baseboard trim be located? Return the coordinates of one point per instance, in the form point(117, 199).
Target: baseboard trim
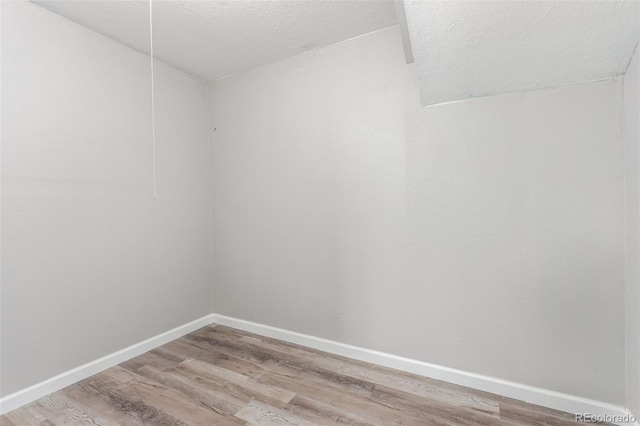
point(531, 394)
point(30, 394)
point(534, 395)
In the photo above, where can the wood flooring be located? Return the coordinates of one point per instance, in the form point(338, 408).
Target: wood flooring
point(222, 376)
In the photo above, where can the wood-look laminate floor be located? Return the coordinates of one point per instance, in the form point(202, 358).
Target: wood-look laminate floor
point(222, 376)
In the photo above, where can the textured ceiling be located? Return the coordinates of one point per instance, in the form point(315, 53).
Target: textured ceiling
point(461, 49)
point(213, 39)
point(465, 49)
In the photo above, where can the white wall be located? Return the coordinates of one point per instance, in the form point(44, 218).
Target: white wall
point(485, 235)
point(632, 297)
point(91, 263)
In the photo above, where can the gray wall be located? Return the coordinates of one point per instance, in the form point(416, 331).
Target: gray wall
point(632, 157)
point(485, 235)
point(90, 262)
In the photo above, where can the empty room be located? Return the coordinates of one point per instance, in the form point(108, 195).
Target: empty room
point(319, 212)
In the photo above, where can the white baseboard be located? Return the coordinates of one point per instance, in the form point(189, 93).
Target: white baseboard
point(531, 394)
point(30, 394)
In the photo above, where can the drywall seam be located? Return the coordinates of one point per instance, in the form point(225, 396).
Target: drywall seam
point(531, 394)
point(635, 50)
point(626, 144)
point(521, 365)
point(625, 229)
point(210, 150)
point(0, 185)
point(62, 380)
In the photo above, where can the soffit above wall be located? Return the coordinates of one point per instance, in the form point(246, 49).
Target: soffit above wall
point(213, 39)
point(466, 49)
point(461, 49)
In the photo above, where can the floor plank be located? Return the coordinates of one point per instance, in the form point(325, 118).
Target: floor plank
point(221, 376)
